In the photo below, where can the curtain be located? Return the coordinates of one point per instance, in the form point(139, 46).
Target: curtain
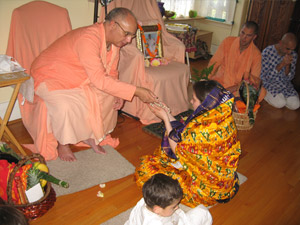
point(181, 7)
point(218, 9)
point(222, 10)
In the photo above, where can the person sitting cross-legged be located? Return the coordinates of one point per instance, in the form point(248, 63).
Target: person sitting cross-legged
point(278, 70)
point(236, 58)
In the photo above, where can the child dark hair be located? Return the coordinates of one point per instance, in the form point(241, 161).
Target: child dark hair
point(203, 88)
point(161, 190)
point(9, 215)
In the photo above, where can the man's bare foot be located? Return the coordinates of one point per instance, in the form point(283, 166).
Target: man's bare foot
point(65, 153)
point(97, 148)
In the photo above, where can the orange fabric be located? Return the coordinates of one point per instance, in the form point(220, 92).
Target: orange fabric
point(81, 56)
point(241, 106)
point(231, 65)
point(168, 82)
point(29, 30)
point(79, 103)
point(34, 115)
point(34, 26)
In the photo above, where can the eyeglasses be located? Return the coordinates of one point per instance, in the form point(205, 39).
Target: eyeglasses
point(127, 33)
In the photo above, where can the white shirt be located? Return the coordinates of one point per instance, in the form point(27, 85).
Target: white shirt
point(140, 215)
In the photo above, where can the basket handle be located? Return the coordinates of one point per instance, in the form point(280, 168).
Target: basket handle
point(248, 97)
point(15, 170)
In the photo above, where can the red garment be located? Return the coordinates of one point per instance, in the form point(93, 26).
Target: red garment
point(5, 170)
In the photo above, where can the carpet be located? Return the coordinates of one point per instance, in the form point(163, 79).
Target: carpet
point(157, 129)
point(89, 170)
point(124, 216)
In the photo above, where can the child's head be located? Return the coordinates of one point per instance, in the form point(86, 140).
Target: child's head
point(162, 194)
point(200, 91)
point(9, 215)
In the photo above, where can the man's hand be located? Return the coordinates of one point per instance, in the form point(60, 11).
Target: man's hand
point(233, 89)
point(118, 103)
point(287, 59)
point(286, 62)
point(145, 95)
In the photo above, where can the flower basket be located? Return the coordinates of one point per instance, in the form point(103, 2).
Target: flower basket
point(38, 208)
point(242, 119)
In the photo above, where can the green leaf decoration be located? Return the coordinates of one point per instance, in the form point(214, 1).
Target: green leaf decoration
point(203, 74)
point(253, 97)
point(7, 150)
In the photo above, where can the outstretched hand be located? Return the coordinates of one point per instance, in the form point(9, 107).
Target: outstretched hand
point(159, 111)
point(145, 95)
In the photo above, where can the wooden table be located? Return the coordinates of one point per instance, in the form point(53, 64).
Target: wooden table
point(8, 79)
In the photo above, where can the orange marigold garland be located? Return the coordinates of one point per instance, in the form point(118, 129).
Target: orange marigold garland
point(152, 54)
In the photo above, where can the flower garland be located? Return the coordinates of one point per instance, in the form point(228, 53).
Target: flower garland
point(152, 54)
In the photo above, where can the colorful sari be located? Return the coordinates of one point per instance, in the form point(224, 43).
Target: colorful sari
point(206, 156)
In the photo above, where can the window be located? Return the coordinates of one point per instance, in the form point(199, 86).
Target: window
point(222, 10)
point(181, 7)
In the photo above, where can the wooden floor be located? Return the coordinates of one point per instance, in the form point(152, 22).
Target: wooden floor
point(271, 162)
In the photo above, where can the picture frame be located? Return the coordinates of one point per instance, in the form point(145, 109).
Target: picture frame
point(149, 38)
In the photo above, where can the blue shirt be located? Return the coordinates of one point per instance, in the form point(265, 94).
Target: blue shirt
point(277, 82)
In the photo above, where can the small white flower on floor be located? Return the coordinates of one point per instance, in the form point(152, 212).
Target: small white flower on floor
point(100, 194)
point(102, 185)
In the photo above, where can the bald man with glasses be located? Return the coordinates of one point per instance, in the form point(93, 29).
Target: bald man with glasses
point(77, 78)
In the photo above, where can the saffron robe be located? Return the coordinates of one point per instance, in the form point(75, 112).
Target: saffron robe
point(77, 79)
point(231, 65)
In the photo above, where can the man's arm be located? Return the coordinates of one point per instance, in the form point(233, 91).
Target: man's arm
point(217, 59)
point(87, 49)
point(145, 95)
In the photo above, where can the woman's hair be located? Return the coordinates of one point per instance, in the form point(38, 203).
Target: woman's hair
point(9, 215)
point(161, 190)
point(203, 88)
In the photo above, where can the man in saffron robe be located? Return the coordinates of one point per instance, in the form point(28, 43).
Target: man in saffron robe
point(237, 57)
point(77, 78)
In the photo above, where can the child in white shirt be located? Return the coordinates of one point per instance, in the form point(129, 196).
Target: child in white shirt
point(159, 205)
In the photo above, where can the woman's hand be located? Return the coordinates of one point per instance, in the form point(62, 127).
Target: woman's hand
point(159, 111)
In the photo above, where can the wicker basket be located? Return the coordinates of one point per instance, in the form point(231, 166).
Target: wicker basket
point(242, 119)
point(38, 208)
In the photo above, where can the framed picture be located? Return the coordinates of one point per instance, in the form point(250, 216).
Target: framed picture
point(149, 42)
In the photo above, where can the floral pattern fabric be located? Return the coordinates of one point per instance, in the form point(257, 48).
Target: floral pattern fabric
point(207, 159)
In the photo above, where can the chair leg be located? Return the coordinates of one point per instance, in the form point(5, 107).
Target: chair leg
point(188, 62)
point(8, 135)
